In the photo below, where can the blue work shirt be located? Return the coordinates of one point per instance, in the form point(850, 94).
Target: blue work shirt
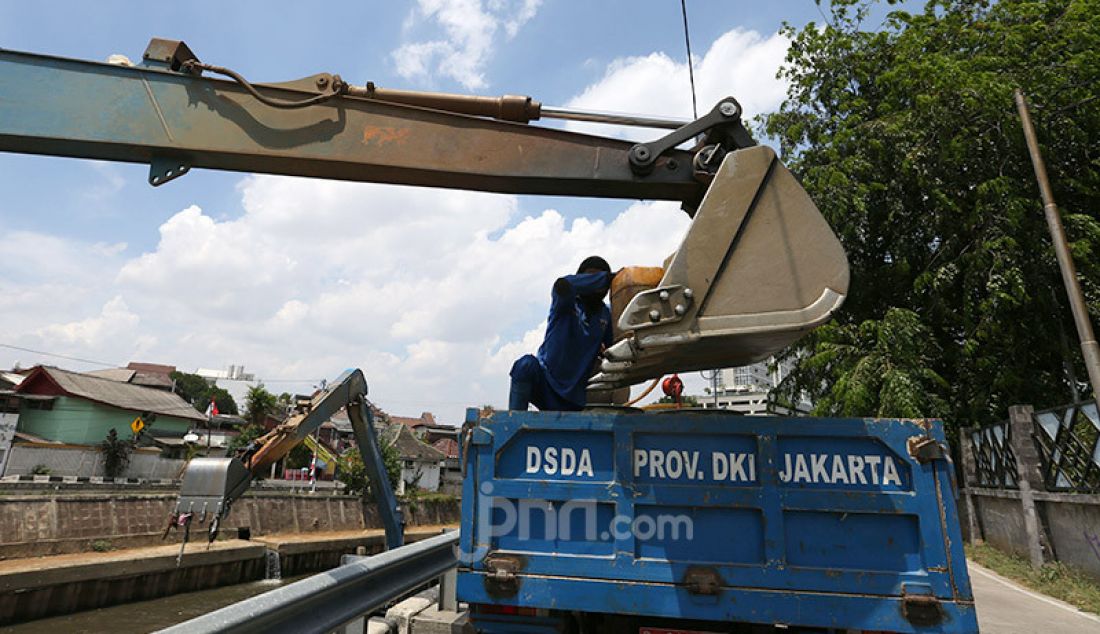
point(574, 336)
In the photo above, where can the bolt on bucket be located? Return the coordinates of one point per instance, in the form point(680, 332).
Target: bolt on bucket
point(758, 268)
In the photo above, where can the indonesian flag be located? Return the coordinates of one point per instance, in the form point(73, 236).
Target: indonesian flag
point(212, 409)
point(313, 468)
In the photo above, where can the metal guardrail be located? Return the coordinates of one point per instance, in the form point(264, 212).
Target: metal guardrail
point(326, 601)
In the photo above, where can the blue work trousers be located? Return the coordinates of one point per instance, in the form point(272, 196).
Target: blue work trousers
point(529, 387)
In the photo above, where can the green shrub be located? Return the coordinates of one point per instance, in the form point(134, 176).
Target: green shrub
point(116, 454)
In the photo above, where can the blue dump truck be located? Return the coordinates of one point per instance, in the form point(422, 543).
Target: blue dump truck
point(707, 521)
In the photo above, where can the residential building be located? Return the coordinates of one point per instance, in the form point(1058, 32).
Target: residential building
point(420, 463)
point(144, 374)
point(426, 419)
point(79, 408)
point(9, 414)
point(232, 373)
point(451, 475)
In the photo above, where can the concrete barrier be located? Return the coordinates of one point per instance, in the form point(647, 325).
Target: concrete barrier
point(41, 587)
point(53, 524)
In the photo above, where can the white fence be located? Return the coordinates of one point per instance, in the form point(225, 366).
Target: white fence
point(76, 460)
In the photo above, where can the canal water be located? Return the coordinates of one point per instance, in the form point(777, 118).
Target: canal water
point(147, 616)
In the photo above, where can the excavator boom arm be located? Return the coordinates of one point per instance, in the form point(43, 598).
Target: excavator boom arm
point(175, 119)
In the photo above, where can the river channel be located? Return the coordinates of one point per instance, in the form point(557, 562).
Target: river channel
point(147, 616)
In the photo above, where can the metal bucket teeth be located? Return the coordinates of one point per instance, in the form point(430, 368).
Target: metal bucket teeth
point(758, 268)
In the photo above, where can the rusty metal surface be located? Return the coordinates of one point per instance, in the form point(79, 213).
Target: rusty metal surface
point(64, 107)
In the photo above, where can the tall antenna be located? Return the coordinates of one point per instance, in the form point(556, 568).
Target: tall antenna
point(691, 68)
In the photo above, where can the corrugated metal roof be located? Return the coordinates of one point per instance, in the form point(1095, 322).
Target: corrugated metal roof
point(11, 378)
point(122, 375)
point(122, 395)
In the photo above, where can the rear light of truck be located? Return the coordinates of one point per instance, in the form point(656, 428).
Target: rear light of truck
point(510, 610)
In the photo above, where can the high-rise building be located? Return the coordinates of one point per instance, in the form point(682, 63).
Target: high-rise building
point(745, 389)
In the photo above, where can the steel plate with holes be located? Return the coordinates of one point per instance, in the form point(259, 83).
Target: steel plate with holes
point(835, 523)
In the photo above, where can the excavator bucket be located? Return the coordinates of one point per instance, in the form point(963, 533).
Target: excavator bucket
point(758, 268)
point(210, 484)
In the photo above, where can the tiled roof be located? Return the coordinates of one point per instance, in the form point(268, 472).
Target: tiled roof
point(408, 447)
point(108, 392)
point(447, 446)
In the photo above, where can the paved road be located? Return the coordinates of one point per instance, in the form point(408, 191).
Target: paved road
point(1007, 608)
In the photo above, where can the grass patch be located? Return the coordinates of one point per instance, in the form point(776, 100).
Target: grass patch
point(429, 496)
point(102, 546)
point(1053, 579)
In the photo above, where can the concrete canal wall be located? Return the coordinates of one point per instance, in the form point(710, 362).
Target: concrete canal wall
point(39, 587)
point(52, 524)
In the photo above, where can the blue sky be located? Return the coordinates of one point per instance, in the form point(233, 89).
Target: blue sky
point(216, 268)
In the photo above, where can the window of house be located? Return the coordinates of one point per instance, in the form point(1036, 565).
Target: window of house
point(36, 404)
point(9, 404)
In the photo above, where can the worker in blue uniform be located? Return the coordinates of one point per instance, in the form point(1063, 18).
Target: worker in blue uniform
point(577, 331)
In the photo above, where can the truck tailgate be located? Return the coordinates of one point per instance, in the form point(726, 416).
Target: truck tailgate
point(843, 523)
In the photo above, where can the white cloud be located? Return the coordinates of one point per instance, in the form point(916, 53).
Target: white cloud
point(469, 28)
point(114, 320)
point(501, 359)
point(740, 63)
point(425, 289)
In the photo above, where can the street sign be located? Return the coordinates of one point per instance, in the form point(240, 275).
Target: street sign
point(137, 425)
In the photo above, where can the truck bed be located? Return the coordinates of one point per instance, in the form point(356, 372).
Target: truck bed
point(712, 516)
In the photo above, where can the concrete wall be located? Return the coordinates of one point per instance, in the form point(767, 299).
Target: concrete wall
point(1074, 531)
point(81, 460)
point(1003, 524)
point(1069, 525)
point(82, 422)
point(34, 525)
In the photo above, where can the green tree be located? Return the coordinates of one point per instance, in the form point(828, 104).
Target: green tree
point(196, 390)
point(906, 137)
point(298, 457)
point(258, 404)
point(350, 469)
point(247, 435)
point(116, 454)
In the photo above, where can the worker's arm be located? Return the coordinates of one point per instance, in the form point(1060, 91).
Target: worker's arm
point(568, 287)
